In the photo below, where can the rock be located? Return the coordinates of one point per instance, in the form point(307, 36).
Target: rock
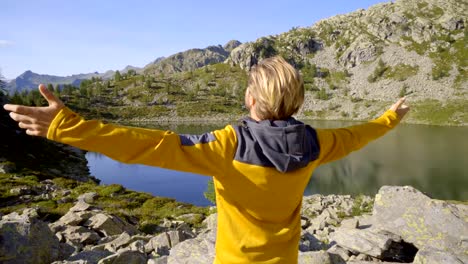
point(65, 250)
point(430, 255)
point(86, 257)
point(160, 244)
point(125, 257)
point(70, 218)
point(80, 235)
point(7, 167)
point(175, 237)
point(25, 239)
point(88, 197)
point(109, 225)
point(21, 190)
point(80, 206)
point(211, 221)
point(316, 257)
point(361, 50)
point(309, 242)
point(420, 220)
point(158, 260)
point(232, 44)
point(138, 245)
point(350, 223)
point(200, 250)
point(338, 254)
point(191, 218)
point(362, 241)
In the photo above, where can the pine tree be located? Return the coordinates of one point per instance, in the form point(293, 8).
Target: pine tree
point(117, 76)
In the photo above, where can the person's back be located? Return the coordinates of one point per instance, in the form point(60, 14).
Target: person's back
point(260, 167)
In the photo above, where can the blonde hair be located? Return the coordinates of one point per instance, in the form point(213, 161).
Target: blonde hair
point(277, 87)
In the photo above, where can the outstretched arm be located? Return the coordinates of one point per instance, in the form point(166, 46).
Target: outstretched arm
point(337, 143)
point(204, 155)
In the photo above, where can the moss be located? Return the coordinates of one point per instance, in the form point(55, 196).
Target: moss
point(65, 183)
point(108, 190)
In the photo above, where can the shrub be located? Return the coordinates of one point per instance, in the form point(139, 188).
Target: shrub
point(322, 95)
point(210, 193)
point(378, 71)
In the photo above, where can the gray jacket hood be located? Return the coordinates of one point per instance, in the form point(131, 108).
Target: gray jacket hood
point(286, 145)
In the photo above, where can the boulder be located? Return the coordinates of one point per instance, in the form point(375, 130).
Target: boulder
point(175, 237)
point(86, 256)
point(338, 254)
point(25, 239)
point(430, 255)
point(420, 220)
point(7, 167)
point(200, 250)
point(160, 244)
point(309, 242)
point(314, 257)
point(80, 235)
point(109, 224)
point(88, 197)
point(158, 260)
point(125, 257)
point(362, 241)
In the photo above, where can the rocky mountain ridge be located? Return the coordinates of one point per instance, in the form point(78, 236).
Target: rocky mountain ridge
point(413, 48)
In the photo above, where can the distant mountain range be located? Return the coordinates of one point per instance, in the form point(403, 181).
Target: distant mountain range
point(30, 80)
point(182, 61)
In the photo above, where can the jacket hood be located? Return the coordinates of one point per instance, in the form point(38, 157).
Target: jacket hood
point(287, 145)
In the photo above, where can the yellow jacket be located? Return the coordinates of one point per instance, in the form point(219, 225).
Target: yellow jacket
point(260, 171)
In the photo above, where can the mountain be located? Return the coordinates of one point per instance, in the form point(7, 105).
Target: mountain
point(30, 80)
point(191, 59)
point(351, 62)
point(354, 66)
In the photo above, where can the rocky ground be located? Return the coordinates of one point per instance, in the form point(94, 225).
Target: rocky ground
point(398, 225)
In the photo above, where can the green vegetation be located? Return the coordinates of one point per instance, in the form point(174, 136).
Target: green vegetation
point(361, 207)
point(141, 207)
point(210, 193)
point(404, 91)
point(337, 79)
point(323, 95)
point(378, 71)
point(401, 72)
point(441, 113)
point(213, 89)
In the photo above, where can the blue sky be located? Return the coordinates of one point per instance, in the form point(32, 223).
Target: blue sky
point(60, 37)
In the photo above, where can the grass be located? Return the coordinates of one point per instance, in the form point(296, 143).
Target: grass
point(440, 113)
point(401, 72)
point(359, 208)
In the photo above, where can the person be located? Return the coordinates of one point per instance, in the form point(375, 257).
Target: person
point(260, 167)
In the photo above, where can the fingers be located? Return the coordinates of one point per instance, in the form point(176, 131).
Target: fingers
point(35, 133)
point(20, 109)
point(398, 104)
point(49, 96)
point(22, 118)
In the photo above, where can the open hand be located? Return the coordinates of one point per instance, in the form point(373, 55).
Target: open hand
point(36, 120)
point(400, 108)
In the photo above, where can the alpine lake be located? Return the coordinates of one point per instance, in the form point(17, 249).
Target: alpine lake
point(433, 159)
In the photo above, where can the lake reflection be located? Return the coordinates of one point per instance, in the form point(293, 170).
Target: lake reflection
point(432, 159)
